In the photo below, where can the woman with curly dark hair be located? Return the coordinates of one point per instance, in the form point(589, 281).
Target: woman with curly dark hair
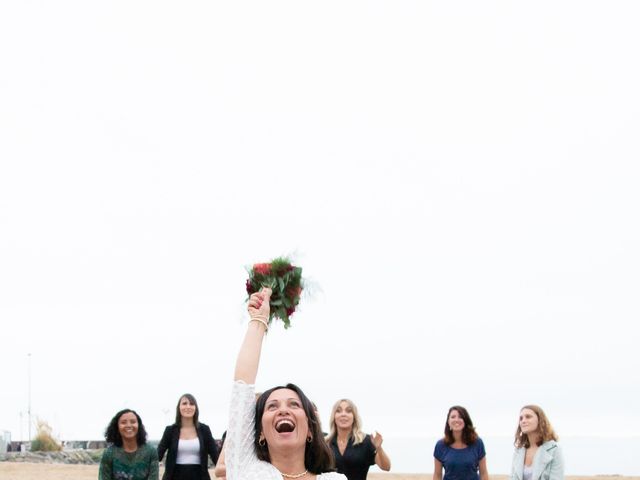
point(461, 452)
point(128, 455)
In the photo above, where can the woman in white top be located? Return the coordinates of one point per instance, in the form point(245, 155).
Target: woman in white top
point(538, 455)
point(188, 443)
point(279, 436)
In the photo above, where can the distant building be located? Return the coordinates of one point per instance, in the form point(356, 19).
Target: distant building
point(5, 441)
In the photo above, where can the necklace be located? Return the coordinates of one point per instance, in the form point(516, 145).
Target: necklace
point(296, 475)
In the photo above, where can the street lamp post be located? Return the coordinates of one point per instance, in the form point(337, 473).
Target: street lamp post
point(29, 404)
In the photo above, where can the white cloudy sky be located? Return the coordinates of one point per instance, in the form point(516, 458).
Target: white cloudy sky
point(459, 180)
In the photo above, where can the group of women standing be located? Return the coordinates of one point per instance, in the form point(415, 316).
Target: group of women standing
point(461, 454)
point(188, 444)
point(277, 435)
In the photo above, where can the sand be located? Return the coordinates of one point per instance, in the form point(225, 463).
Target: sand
point(44, 471)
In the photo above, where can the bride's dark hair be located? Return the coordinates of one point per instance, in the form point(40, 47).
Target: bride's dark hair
point(317, 455)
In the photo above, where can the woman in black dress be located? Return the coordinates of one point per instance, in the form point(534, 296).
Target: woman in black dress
point(354, 450)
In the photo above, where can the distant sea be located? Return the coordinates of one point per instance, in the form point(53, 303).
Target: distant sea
point(583, 455)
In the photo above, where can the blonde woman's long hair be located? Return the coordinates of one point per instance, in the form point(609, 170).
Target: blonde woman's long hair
point(356, 430)
point(545, 430)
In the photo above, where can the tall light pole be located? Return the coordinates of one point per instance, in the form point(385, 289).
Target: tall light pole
point(29, 404)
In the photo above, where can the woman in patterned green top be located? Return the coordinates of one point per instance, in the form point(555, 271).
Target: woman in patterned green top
point(128, 457)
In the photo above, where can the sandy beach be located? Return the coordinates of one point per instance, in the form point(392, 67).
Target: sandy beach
point(42, 471)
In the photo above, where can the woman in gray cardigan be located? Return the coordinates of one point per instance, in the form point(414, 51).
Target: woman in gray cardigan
point(538, 455)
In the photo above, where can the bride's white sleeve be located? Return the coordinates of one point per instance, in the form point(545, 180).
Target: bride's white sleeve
point(240, 452)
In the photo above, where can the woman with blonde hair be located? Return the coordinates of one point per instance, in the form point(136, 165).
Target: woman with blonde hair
point(538, 455)
point(354, 451)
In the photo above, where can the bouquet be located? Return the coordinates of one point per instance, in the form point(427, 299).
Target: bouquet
point(285, 281)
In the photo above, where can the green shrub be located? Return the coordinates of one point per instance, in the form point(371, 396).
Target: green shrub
point(44, 441)
point(96, 455)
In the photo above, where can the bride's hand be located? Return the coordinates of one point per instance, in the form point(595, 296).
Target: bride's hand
point(258, 306)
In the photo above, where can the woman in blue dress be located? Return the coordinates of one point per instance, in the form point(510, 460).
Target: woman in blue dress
point(461, 452)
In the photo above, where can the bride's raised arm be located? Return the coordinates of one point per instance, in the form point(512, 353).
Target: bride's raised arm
point(249, 355)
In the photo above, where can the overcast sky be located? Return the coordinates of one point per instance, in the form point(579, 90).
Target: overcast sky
point(458, 180)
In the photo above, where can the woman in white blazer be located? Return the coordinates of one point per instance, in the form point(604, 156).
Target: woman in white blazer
point(538, 455)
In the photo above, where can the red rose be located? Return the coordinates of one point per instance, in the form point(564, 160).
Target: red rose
point(249, 287)
point(262, 268)
point(293, 292)
point(290, 311)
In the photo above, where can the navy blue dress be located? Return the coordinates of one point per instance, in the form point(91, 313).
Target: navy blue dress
point(460, 463)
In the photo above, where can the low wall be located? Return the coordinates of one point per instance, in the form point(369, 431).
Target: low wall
point(84, 457)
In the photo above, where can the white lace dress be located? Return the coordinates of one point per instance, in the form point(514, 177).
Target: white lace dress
point(240, 454)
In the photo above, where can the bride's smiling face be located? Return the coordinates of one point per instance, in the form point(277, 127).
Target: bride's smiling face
point(284, 421)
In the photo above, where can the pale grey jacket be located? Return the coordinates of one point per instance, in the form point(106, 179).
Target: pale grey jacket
point(548, 463)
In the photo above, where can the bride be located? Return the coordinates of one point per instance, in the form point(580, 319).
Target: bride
point(279, 435)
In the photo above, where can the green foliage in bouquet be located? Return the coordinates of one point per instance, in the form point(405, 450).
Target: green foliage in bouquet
point(285, 281)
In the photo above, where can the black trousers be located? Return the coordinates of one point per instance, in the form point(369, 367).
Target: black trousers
point(187, 472)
